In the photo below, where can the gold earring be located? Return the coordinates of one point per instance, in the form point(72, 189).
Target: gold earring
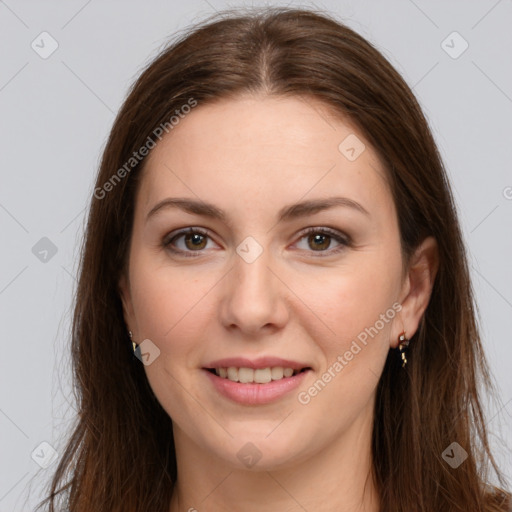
point(133, 342)
point(403, 344)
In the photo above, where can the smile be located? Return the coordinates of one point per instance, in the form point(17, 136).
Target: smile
point(258, 375)
point(252, 392)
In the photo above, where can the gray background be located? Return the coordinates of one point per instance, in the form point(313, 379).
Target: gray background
point(56, 114)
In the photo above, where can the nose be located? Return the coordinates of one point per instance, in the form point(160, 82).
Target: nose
point(254, 298)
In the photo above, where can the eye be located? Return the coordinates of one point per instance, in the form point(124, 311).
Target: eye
point(192, 240)
point(320, 239)
point(187, 241)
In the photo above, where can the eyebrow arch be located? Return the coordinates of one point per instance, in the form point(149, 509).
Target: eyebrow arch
point(286, 213)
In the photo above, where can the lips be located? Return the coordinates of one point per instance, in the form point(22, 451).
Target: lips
point(239, 378)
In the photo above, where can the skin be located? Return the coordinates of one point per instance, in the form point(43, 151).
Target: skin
point(251, 156)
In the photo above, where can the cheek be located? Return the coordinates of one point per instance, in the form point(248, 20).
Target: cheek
point(351, 301)
point(171, 310)
point(360, 307)
point(163, 296)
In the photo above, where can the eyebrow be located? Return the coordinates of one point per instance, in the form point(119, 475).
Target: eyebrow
point(286, 213)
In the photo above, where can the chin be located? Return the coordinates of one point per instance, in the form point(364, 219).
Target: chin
point(263, 452)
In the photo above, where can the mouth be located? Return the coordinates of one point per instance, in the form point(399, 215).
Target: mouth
point(256, 386)
point(259, 381)
point(245, 375)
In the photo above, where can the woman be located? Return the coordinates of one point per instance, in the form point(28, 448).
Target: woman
point(274, 309)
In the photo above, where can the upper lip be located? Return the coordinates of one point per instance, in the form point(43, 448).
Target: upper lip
point(260, 362)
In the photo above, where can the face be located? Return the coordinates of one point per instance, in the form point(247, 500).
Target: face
point(234, 276)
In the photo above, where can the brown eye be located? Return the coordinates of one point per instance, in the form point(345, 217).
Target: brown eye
point(194, 241)
point(186, 242)
point(319, 241)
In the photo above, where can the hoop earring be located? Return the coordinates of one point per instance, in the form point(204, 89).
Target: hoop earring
point(403, 344)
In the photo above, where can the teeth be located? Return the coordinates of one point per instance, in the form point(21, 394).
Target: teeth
point(259, 376)
point(262, 375)
point(277, 373)
point(245, 375)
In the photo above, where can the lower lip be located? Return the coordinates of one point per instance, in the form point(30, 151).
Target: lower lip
point(255, 394)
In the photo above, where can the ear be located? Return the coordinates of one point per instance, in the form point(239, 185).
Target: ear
point(417, 287)
point(126, 299)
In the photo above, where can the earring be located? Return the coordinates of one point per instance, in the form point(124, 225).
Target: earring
point(133, 343)
point(403, 344)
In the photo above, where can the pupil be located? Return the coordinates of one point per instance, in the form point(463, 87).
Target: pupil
point(196, 239)
point(322, 241)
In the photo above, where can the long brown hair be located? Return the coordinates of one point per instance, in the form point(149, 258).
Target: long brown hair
point(120, 456)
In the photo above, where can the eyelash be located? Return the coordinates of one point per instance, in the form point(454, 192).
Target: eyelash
point(343, 240)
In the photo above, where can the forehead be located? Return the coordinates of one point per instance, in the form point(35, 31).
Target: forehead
point(254, 151)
